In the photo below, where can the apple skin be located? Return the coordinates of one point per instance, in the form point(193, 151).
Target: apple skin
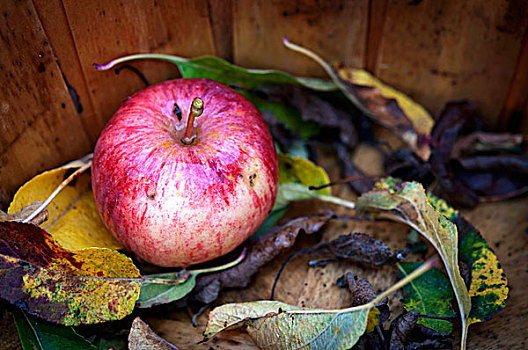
point(175, 205)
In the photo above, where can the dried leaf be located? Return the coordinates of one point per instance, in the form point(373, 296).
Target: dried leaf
point(37, 334)
point(357, 247)
point(73, 217)
point(362, 293)
point(26, 212)
point(391, 108)
point(71, 288)
point(141, 337)
point(312, 109)
point(259, 252)
point(288, 115)
point(408, 204)
point(480, 141)
point(217, 69)
point(429, 295)
point(277, 325)
point(406, 333)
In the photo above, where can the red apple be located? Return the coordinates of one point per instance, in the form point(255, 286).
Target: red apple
point(178, 194)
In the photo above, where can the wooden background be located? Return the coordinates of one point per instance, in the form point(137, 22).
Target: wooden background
point(53, 103)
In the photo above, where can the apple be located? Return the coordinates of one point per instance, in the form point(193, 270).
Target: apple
point(184, 172)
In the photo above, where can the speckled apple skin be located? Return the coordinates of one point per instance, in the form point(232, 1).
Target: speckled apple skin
point(174, 204)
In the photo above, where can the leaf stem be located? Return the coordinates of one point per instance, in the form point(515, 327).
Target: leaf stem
point(346, 180)
point(139, 56)
point(184, 275)
point(335, 200)
point(415, 274)
point(63, 184)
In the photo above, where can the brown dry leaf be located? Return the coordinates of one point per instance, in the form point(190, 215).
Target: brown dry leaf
point(26, 212)
point(141, 337)
point(357, 247)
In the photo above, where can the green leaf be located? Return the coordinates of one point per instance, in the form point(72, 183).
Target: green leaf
point(217, 69)
point(408, 203)
point(37, 334)
point(82, 287)
point(168, 287)
point(488, 286)
point(430, 294)
point(276, 325)
point(153, 294)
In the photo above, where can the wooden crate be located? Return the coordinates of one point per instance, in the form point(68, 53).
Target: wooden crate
point(53, 103)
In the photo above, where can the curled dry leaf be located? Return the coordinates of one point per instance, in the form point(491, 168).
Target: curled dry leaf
point(362, 293)
point(385, 105)
point(73, 219)
point(313, 109)
point(141, 337)
point(407, 203)
point(25, 213)
point(259, 252)
point(71, 288)
point(357, 247)
point(406, 333)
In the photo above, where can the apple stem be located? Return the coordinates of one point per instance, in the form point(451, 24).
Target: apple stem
point(196, 111)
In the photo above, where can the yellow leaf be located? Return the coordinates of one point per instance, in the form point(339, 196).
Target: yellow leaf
point(73, 217)
point(420, 118)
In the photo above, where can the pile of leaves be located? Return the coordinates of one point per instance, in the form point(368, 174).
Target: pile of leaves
point(61, 267)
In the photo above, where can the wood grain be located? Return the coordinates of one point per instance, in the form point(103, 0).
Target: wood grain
point(444, 50)
point(514, 114)
point(105, 30)
point(334, 29)
point(39, 126)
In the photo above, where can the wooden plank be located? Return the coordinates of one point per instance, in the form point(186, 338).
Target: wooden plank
point(104, 30)
point(513, 115)
point(221, 19)
point(376, 22)
point(56, 27)
point(334, 29)
point(39, 126)
point(438, 51)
